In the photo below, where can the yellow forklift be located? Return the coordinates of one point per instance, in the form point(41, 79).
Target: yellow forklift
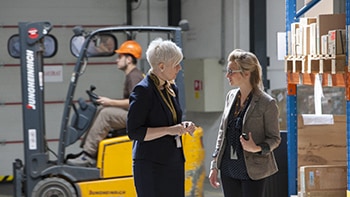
point(40, 176)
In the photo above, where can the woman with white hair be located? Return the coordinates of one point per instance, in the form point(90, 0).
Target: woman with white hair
point(155, 124)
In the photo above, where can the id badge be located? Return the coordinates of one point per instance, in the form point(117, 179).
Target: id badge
point(233, 154)
point(178, 142)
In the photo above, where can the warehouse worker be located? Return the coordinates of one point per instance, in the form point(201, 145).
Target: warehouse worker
point(113, 113)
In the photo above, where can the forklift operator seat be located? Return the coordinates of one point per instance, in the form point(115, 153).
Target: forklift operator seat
point(116, 133)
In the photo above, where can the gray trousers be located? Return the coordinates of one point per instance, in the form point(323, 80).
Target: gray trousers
point(107, 118)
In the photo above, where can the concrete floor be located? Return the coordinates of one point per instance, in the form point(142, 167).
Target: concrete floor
point(6, 190)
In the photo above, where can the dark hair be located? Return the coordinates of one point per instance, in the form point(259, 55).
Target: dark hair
point(134, 60)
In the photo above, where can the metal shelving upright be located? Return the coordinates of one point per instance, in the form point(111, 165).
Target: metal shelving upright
point(347, 89)
point(292, 115)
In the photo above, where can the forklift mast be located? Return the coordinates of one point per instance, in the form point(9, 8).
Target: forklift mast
point(32, 75)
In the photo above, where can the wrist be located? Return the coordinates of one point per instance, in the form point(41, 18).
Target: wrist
point(213, 165)
point(265, 148)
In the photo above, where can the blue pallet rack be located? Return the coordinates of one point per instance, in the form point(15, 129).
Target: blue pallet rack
point(292, 126)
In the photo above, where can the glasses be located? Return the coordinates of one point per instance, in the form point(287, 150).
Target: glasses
point(229, 71)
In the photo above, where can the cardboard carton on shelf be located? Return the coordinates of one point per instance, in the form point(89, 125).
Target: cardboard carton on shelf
point(327, 193)
point(336, 42)
point(295, 45)
point(323, 144)
point(324, 44)
point(323, 180)
point(305, 40)
point(327, 22)
point(306, 23)
point(306, 35)
point(313, 39)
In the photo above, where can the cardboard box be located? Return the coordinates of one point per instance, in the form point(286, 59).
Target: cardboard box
point(313, 38)
point(323, 177)
point(324, 44)
point(306, 40)
point(305, 27)
point(326, 23)
point(322, 144)
point(327, 193)
point(323, 180)
point(304, 21)
point(337, 42)
point(299, 41)
point(295, 38)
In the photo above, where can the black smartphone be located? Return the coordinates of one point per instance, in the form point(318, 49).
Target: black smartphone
point(245, 136)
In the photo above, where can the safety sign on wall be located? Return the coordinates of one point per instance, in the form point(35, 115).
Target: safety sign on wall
point(53, 74)
point(198, 86)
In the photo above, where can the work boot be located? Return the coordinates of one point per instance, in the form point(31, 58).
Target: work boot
point(83, 160)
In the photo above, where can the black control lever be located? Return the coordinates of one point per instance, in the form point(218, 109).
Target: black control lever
point(92, 95)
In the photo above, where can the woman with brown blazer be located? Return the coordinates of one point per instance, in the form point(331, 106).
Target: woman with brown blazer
point(248, 132)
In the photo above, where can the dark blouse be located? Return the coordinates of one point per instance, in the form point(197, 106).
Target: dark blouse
point(235, 168)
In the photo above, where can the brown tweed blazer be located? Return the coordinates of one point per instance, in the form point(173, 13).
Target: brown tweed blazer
point(261, 119)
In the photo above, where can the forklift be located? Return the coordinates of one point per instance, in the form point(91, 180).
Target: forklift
point(40, 176)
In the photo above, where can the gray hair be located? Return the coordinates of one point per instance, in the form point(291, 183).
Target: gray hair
point(163, 51)
point(247, 61)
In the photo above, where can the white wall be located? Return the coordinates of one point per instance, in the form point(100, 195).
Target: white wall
point(63, 11)
point(275, 23)
point(210, 36)
point(206, 40)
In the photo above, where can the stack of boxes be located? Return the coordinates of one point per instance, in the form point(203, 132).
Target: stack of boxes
point(317, 45)
point(322, 158)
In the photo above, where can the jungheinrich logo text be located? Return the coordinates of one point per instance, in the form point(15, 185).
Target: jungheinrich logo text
point(30, 80)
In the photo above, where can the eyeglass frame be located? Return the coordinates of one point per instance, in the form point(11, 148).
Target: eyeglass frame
point(230, 71)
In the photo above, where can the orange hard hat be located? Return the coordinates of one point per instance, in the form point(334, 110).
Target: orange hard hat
point(130, 47)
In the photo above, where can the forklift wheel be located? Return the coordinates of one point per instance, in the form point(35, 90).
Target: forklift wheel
point(51, 187)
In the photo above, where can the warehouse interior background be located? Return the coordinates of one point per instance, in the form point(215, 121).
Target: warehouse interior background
point(215, 29)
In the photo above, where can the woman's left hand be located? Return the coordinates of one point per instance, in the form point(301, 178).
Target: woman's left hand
point(189, 126)
point(249, 145)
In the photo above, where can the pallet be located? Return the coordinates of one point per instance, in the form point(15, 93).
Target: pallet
point(326, 63)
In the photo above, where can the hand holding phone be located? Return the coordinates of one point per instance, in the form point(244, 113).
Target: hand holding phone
point(245, 136)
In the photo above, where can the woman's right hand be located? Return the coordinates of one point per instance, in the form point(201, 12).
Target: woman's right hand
point(176, 130)
point(213, 178)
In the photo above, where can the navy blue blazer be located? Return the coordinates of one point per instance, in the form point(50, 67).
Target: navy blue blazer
point(147, 109)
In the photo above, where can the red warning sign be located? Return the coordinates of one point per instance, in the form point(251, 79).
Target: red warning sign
point(197, 85)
